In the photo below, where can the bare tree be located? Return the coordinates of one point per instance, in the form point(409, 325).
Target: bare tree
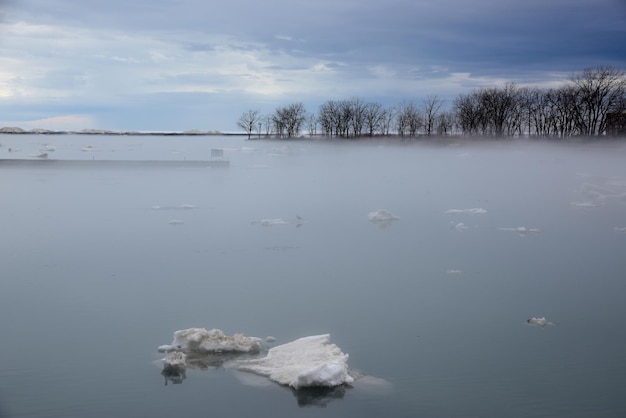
point(431, 107)
point(387, 118)
point(580, 107)
point(288, 120)
point(327, 118)
point(444, 123)
point(498, 105)
point(248, 121)
point(601, 90)
point(468, 112)
point(311, 124)
point(359, 108)
point(267, 121)
point(408, 119)
point(373, 118)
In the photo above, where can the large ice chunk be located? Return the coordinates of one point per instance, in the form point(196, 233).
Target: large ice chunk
point(201, 341)
point(306, 362)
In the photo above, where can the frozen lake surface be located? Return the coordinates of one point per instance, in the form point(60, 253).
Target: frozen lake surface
point(462, 279)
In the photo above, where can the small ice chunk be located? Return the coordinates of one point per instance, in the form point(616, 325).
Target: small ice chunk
point(272, 222)
point(270, 339)
point(175, 360)
point(382, 215)
point(306, 362)
point(460, 226)
point(201, 341)
point(453, 271)
point(586, 204)
point(539, 322)
point(184, 206)
point(472, 211)
point(620, 229)
point(175, 222)
point(522, 230)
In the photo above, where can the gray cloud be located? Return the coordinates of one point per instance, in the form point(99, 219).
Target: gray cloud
point(278, 51)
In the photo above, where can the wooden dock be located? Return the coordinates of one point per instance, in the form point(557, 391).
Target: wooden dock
point(53, 163)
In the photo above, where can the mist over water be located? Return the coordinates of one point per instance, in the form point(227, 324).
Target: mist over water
point(99, 266)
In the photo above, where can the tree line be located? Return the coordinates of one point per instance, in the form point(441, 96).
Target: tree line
point(580, 107)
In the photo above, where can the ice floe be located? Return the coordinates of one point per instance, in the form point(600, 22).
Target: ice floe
point(522, 230)
point(175, 359)
point(539, 322)
point(176, 222)
point(459, 226)
point(471, 211)
point(184, 206)
point(306, 362)
point(271, 222)
point(382, 215)
point(586, 204)
point(202, 341)
point(620, 229)
point(600, 190)
point(453, 271)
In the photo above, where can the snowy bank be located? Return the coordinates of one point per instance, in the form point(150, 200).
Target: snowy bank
point(306, 362)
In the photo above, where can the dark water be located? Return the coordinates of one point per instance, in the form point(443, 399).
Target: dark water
point(94, 277)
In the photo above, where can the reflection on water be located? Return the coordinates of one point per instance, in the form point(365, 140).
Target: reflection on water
point(319, 396)
point(174, 375)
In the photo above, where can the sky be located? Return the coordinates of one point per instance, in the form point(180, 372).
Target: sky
point(175, 65)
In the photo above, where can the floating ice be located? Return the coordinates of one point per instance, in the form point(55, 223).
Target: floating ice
point(620, 229)
point(600, 190)
point(184, 206)
point(539, 322)
point(272, 222)
point(472, 211)
point(315, 370)
point(174, 367)
point(522, 230)
point(306, 362)
point(382, 215)
point(585, 204)
point(454, 271)
point(201, 341)
point(176, 222)
point(175, 360)
point(459, 227)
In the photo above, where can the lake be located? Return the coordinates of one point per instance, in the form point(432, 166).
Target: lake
point(100, 265)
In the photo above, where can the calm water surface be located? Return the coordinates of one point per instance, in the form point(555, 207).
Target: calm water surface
point(100, 266)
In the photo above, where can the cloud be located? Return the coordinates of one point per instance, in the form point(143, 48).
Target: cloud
point(57, 123)
point(65, 55)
